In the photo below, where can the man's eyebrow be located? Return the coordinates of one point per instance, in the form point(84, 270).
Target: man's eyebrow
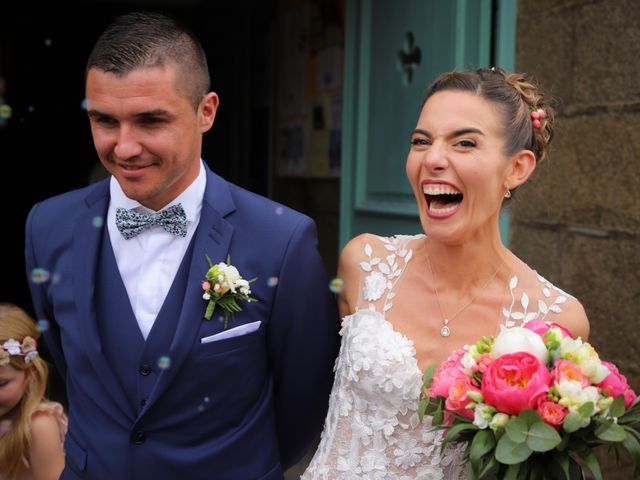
point(146, 114)
point(97, 114)
point(154, 113)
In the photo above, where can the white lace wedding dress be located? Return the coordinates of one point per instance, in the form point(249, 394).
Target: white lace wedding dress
point(372, 429)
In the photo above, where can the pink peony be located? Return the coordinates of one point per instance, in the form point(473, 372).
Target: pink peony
point(552, 413)
point(567, 370)
point(457, 398)
point(616, 383)
point(541, 327)
point(446, 374)
point(514, 382)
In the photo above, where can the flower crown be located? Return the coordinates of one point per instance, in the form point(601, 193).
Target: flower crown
point(12, 347)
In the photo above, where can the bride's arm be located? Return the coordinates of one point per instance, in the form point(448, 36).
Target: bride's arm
point(350, 272)
point(575, 319)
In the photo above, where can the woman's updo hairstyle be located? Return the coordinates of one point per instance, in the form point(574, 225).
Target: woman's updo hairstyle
point(516, 97)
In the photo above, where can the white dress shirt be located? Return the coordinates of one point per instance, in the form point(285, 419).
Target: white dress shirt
point(149, 261)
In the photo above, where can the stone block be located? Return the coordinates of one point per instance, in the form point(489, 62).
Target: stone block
point(607, 47)
point(602, 274)
point(540, 248)
point(546, 195)
point(604, 192)
point(534, 7)
point(591, 177)
point(544, 49)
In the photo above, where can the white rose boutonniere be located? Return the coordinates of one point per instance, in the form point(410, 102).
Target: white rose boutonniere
point(224, 286)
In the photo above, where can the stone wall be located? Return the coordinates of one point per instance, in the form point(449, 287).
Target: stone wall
point(577, 220)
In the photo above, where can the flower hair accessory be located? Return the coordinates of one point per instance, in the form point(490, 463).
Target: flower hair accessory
point(223, 286)
point(536, 115)
point(12, 347)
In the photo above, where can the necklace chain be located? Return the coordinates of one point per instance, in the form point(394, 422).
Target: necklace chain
point(445, 331)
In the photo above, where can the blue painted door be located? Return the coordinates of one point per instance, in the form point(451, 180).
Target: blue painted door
point(394, 49)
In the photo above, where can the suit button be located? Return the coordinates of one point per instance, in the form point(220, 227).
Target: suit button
point(143, 402)
point(145, 369)
point(139, 437)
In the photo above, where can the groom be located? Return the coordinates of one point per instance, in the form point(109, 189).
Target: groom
point(156, 391)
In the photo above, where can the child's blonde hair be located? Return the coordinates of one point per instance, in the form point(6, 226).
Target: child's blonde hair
point(16, 324)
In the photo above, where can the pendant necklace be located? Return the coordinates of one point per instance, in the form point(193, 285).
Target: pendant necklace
point(445, 331)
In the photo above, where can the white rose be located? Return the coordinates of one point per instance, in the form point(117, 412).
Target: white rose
point(232, 274)
point(519, 339)
point(467, 363)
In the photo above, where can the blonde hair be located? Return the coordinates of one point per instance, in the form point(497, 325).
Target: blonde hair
point(14, 444)
point(516, 96)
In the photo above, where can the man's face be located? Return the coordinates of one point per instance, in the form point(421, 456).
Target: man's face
point(146, 132)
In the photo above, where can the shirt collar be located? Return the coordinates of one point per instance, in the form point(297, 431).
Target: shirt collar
point(191, 198)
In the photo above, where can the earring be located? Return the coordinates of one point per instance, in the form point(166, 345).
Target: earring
point(507, 194)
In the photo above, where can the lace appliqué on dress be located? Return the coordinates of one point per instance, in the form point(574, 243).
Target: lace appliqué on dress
point(372, 429)
point(385, 272)
point(523, 309)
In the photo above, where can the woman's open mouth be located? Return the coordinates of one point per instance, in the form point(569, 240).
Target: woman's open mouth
point(442, 199)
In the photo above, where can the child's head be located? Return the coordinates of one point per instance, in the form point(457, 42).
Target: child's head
point(23, 380)
point(23, 374)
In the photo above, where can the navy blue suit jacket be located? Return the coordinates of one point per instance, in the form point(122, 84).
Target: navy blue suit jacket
point(241, 408)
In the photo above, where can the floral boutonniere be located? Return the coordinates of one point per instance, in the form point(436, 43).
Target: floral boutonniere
point(223, 286)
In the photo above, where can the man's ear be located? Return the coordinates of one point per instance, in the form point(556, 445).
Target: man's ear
point(207, 111)
point(523, 163)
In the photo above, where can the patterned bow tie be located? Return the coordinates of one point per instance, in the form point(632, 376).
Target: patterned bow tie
point(131, 223)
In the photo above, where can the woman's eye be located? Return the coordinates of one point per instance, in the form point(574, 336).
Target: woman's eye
point(466, 143)
point(419, 141)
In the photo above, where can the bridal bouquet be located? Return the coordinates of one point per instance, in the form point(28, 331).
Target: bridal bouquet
point(533, 403)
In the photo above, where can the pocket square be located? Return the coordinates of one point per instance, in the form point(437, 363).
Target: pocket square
point(232, 332)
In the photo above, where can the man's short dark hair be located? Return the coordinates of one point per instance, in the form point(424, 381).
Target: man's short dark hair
point(145, 39)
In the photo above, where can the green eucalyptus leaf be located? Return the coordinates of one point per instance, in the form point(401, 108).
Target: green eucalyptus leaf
point(422, 407)
point(510, 452)
point(483, 442)
point(530, 417)
point(427, 378)
point(617, 407)
point(586, 409)
point(543, 437)
point(572, 422)
point(517, 429)
point(610, 432)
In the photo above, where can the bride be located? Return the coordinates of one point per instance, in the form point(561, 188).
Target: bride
point(409, 301)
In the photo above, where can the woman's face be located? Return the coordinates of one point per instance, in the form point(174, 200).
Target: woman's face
point(457, 166)
point(12, 385)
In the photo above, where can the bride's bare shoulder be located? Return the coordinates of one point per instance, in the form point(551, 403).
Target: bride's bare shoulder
point(557, 305)
point(349, 270)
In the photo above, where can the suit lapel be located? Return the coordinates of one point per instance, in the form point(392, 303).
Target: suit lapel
point(212, 238)
point(86, 245)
